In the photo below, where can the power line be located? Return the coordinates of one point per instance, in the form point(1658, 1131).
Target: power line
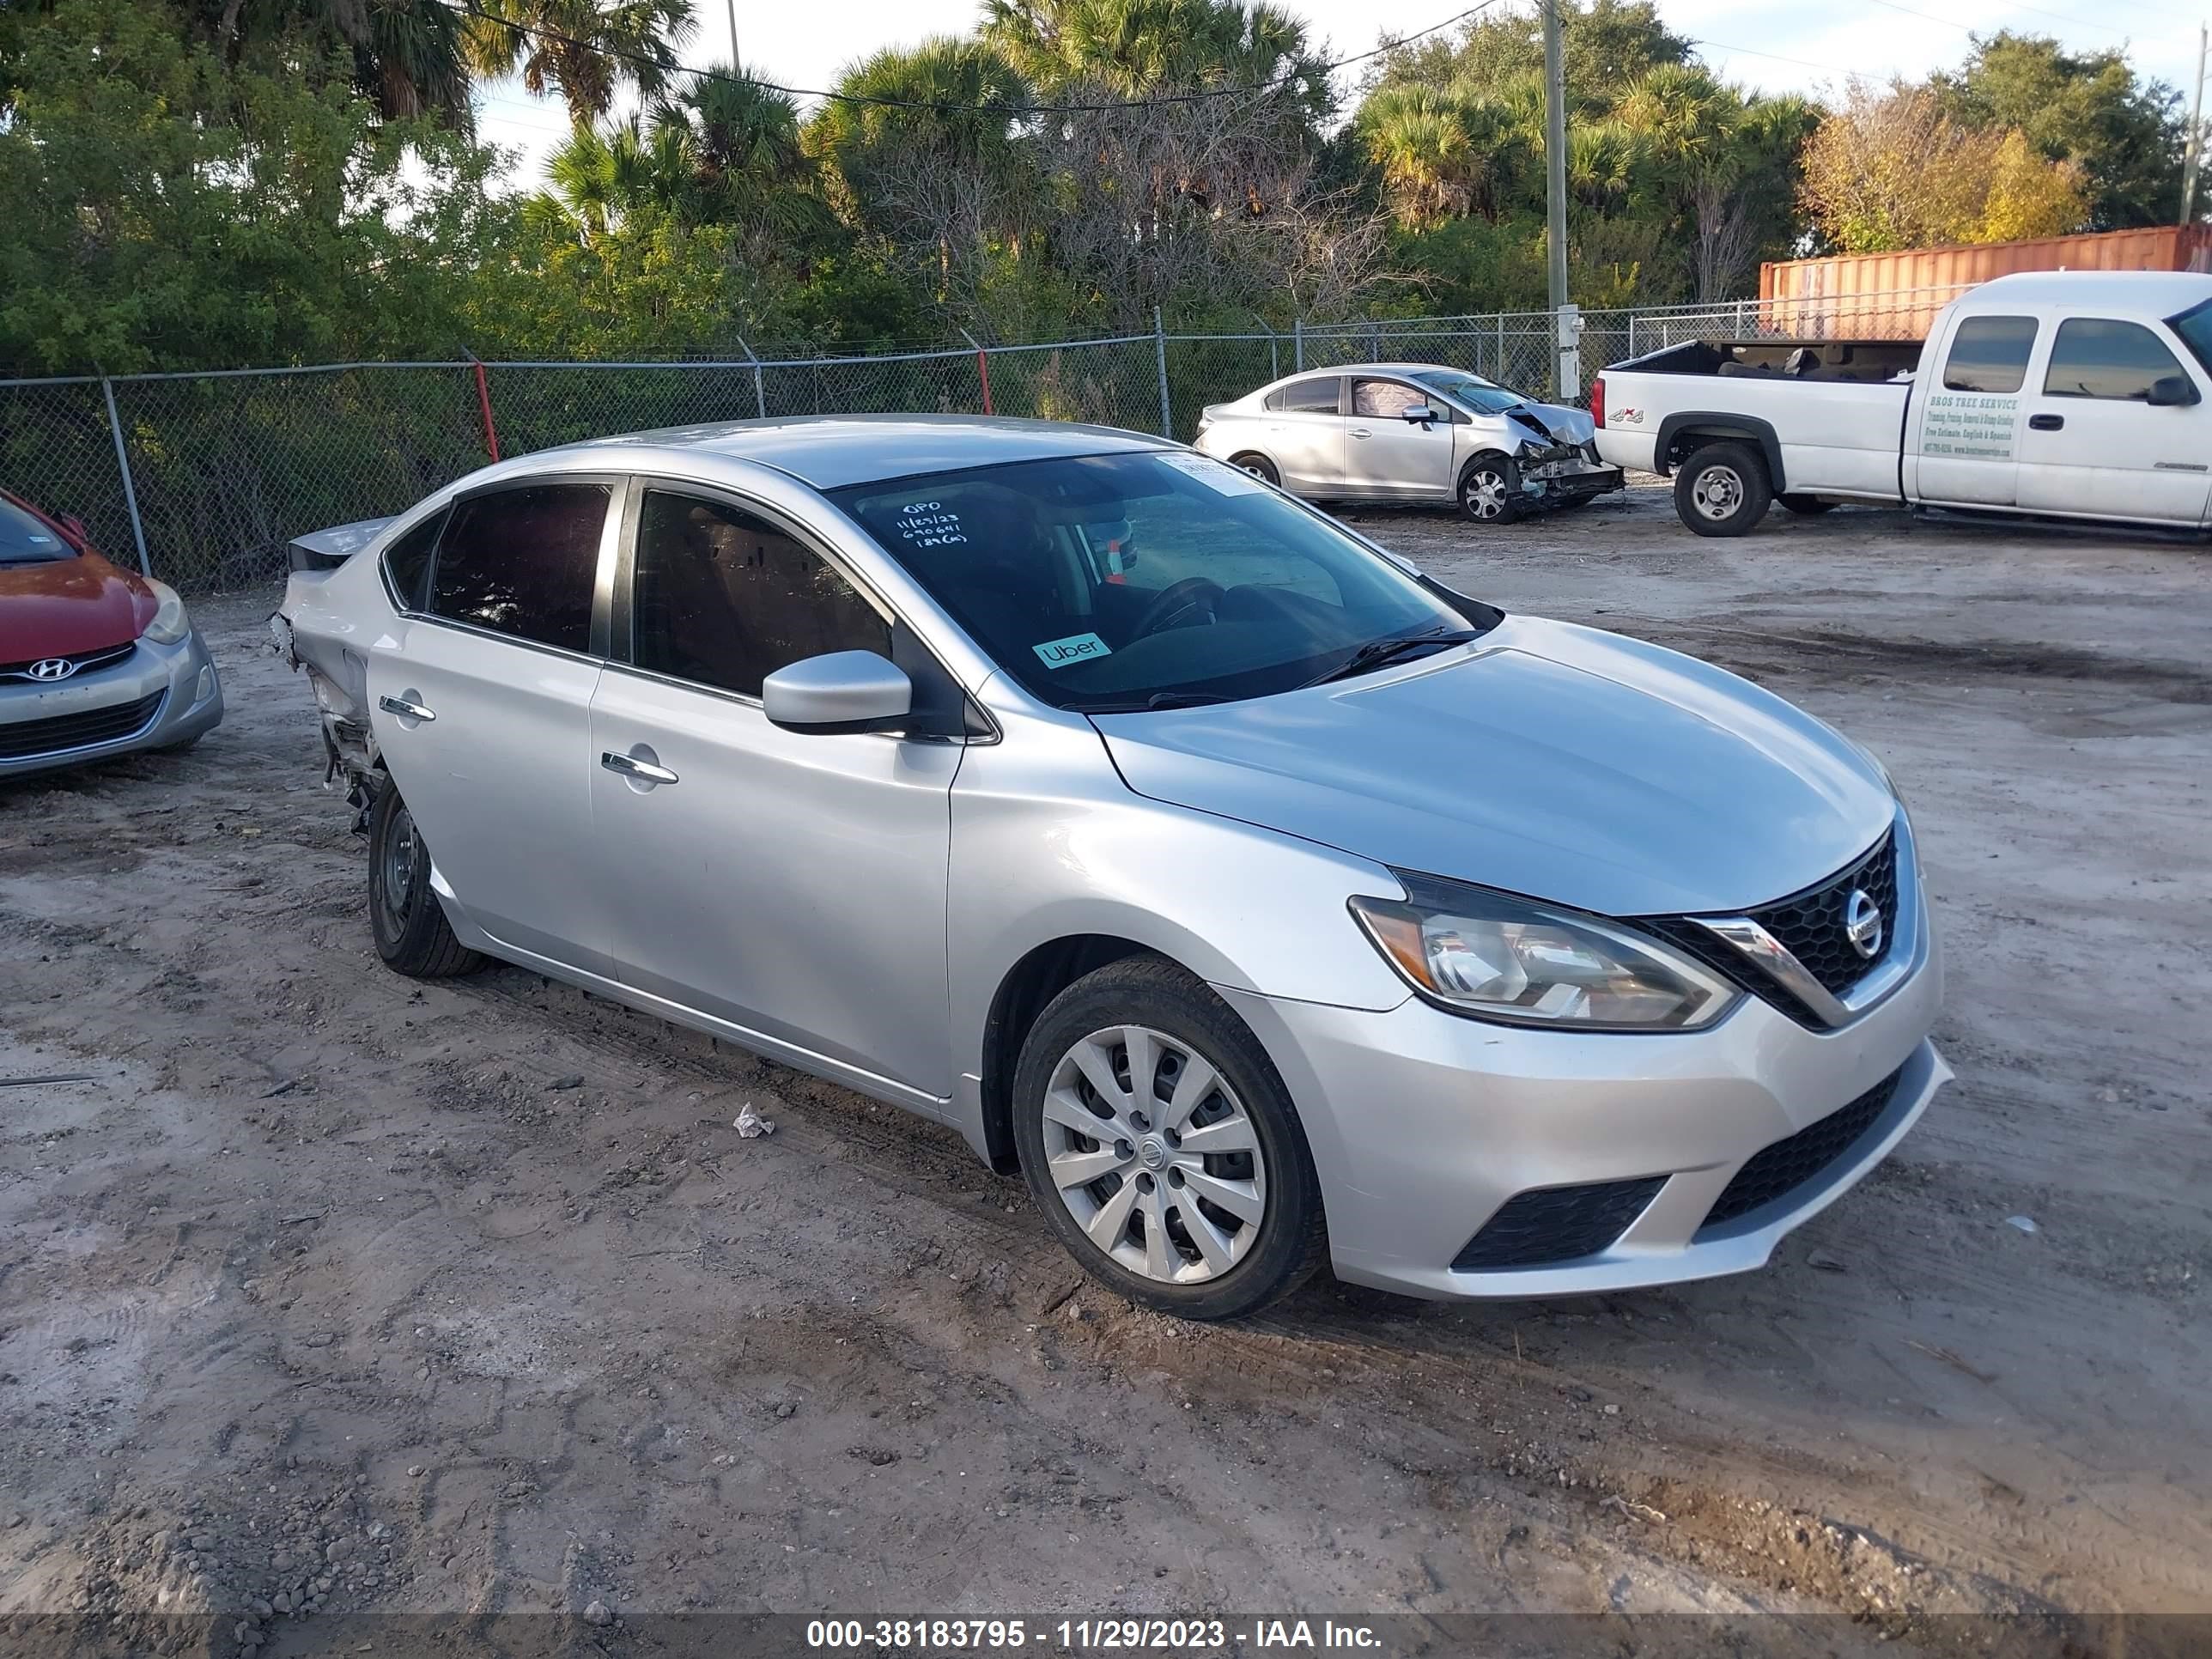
point(667, 65)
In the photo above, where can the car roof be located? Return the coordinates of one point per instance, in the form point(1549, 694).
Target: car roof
point(2162, 293)
point(1375, 368)
point(830, 452)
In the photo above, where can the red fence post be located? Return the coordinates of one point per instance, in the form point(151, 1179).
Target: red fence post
point(983, 371)
point(483, 402)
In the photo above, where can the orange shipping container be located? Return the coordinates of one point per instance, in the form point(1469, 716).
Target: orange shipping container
point(1897, 295)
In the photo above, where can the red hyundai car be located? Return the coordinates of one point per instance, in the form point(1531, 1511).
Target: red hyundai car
point(94, 660)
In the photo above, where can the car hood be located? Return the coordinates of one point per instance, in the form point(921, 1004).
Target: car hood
point(1545, 759)
point(1554, 423)
point(70, 605)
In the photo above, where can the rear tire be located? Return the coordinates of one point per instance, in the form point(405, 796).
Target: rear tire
point(412, 934)
point(1490, 490)
point(1723, 489)
point(1806, 507)
point(1210, 1231)
point(1259, 467)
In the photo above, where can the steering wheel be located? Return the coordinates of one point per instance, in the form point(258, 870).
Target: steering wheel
point(1176, 598)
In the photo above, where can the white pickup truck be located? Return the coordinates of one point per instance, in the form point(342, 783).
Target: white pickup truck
point(2083, 395)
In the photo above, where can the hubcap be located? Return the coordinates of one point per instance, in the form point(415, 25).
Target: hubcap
point(399, 865)
point(1154, 1156)
point(1718, 491)
point(1485, 495)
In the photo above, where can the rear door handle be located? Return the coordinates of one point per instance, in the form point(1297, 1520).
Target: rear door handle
point(1361, 432)
point(631, 767)
point(2045, 422)
point(405, 709)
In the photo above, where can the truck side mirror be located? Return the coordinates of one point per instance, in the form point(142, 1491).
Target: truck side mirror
point(2172, 391)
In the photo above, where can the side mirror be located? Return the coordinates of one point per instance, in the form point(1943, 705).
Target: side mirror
point(1419, 414)
point(75, 525)
point(2170, 392)
point(841, 692)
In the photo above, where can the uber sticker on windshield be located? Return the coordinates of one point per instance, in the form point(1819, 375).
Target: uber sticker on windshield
point(1076, 648)
point(1215, 475)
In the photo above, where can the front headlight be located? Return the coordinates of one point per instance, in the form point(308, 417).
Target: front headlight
point(1496, 956)
point(170, 624)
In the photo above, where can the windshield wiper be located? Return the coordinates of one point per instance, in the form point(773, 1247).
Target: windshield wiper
point(1376, 653)
point(1158, 700)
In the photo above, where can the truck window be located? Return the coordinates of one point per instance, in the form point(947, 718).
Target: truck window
point(1990, 354)
point(2100, 357)
point(2194, 325)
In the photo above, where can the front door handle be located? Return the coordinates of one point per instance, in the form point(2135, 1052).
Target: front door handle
point(2045, 422)
point(630, 766)
point(404, 708)
point(1361, 432)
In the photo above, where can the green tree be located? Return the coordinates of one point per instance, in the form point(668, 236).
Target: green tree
point(1606, 45)
point(171, 206)
point(2125, 135)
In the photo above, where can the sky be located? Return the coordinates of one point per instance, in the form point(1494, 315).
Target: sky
point(1775, 46)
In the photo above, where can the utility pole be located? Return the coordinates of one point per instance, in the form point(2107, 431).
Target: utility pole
point(1555, 174)
point(734, 64)
point(2196, 138)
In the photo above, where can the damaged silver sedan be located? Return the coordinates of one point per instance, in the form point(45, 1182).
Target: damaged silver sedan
point(1412, 433)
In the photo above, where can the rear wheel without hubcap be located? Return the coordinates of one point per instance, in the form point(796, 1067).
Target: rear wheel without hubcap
point(1723, 489)
point(412, 934)
point(1259, 467)
point(1161, 1145)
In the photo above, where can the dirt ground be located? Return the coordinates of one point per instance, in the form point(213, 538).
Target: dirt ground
point(331, 1290)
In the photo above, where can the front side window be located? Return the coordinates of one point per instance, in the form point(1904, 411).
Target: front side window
point(2101, 357)
point(1236, 592)
point(1317, 397)
point(724, 598)
point(1990, 354)
point(1384, 399)
point(523, 562)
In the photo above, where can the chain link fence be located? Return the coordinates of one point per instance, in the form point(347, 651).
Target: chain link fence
point(203, 478)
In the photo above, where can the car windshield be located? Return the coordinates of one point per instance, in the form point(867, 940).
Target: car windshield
point(2194, 328)
point(1484, 397)
point(1115, 583)
point(26, 538)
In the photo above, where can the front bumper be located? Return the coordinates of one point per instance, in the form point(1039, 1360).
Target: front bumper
point(1572, 477)
point(1424, 1124)
point(158, 696)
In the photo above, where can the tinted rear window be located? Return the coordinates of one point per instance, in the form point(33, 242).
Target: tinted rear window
point(523, 561)
point(1990, 354)
point(1319, 396)
point(27, 539)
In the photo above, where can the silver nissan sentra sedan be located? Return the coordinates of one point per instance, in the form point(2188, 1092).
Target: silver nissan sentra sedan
point(1263, 903)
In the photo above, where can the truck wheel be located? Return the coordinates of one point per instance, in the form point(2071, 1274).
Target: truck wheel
point(1490, 490)
point(1722, 489)
point(412, 934)
point(1806, 507)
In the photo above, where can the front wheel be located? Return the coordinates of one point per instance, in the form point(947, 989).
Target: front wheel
point(1490, 490)
point(412, 934)
point(1723, 489)
point(1162, 1146)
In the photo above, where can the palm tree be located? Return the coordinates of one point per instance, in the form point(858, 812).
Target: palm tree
point(410, 58)
point(743, 155)
point(582, 49)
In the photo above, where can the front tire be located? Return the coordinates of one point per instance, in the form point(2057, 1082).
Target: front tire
point(1259, 467)
point(412, 934)
point(1162, 1146)
point(1490, 490)
point(1723, 489)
